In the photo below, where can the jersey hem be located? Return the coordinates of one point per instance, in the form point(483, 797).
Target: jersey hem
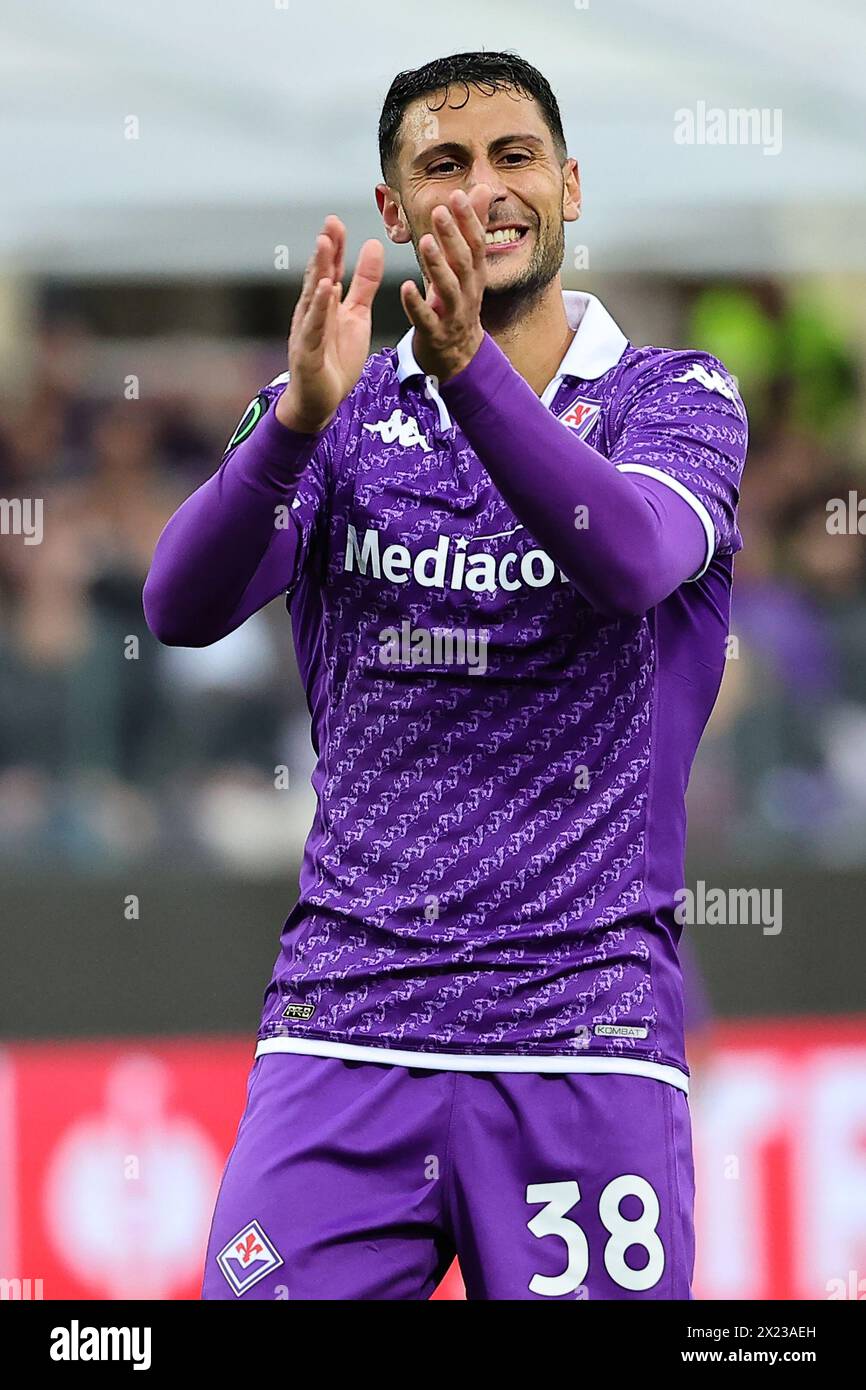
point(486, 1061)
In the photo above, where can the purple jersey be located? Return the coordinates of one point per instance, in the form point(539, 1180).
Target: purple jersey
point(489, 880)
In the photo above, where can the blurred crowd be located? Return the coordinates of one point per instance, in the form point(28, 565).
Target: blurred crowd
point(781, 772)
point(115, 750)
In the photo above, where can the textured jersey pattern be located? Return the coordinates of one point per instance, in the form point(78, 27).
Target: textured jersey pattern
point(476, 876)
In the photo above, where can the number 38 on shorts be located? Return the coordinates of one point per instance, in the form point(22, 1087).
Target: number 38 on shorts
point(635, 1236)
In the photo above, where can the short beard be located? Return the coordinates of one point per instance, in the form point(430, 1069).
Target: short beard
point(505, 304)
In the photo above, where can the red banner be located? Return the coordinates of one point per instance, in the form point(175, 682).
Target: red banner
point(780, 1140)
point(111, 1155)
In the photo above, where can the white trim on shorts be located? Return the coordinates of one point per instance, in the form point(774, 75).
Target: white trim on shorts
point(489, 1061)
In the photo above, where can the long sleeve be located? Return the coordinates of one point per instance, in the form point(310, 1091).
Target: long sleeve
point(235, 543)
point(626, 539)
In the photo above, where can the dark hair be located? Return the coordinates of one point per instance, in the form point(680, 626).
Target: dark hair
point(487, 72)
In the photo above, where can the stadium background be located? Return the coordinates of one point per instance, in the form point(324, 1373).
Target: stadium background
point(165, 170)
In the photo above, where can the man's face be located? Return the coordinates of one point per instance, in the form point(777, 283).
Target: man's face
point(502, 140)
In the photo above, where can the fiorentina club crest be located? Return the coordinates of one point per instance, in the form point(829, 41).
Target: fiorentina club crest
point(247, 1258)
point(581, 416)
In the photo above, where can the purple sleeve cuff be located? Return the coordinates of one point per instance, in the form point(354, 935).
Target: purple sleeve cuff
point(274, 456)
point(480, 382)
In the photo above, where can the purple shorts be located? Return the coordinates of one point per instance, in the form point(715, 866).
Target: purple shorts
point(361, 1180)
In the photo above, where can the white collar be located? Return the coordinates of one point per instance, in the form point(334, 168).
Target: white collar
point(597, 345)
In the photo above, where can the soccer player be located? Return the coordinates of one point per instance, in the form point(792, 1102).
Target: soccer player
point(507, 549)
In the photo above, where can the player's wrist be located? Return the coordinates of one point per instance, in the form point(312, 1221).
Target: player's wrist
point(292, 415)
point(455, 363)
point(475, 368)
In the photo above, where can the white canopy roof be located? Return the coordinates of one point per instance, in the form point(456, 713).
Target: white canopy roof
point(258, 116)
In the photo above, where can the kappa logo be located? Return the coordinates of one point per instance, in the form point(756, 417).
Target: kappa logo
point(711, 381)
point(247, 1258)
point(404, 431)
point(580, 416)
